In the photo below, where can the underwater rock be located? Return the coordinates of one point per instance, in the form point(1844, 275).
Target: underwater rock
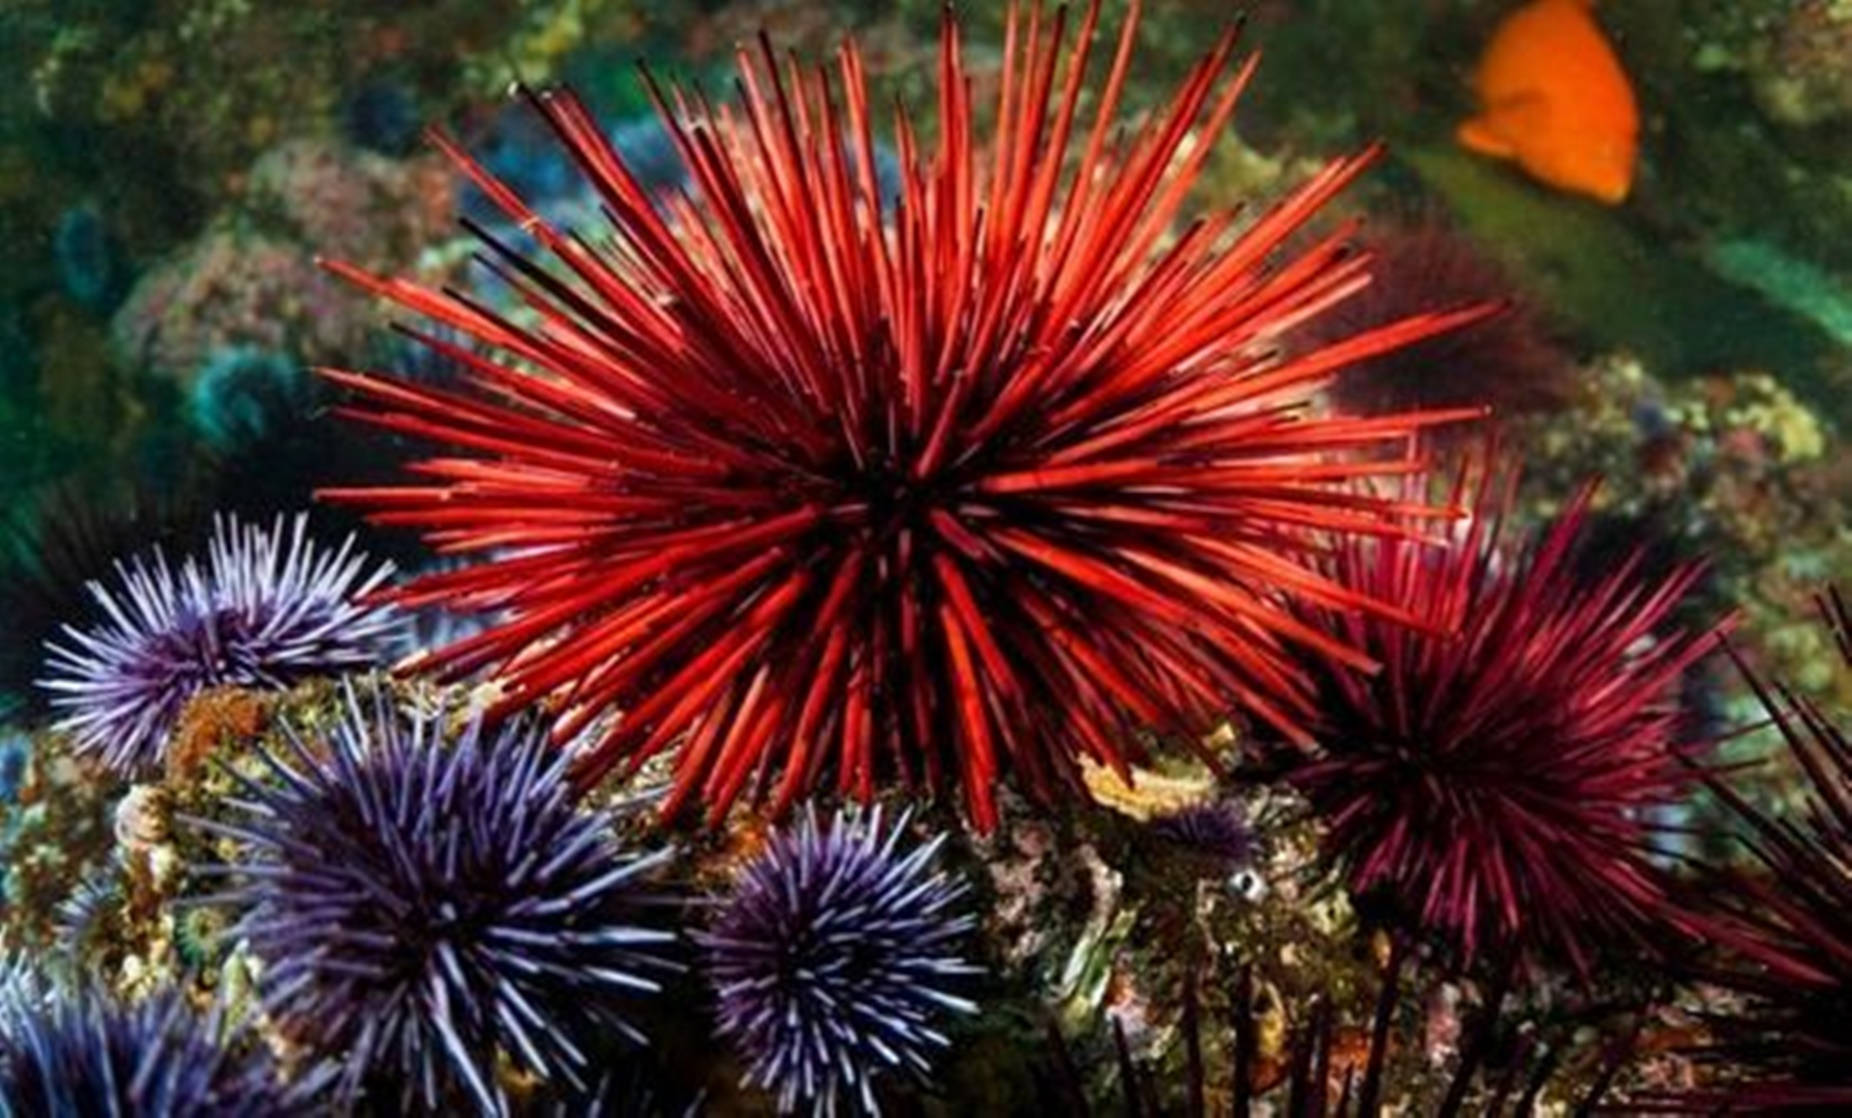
point(382, 114)
point(1802, 69)
point(244, 394)
point(1734, 467)
point(58, 832)
point(357, 205)
point(19, 367)
point(15, 756)
point(233, 290)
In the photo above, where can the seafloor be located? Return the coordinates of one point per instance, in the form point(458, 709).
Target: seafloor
point(1376, 763)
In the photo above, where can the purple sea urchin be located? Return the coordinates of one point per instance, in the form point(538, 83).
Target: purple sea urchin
point(267, 608)
point(835, 960)
point(1218, 831)
point(426, 908)
point(86, 1054)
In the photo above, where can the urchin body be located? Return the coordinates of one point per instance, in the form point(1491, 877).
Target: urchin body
point(85, 1053)
point(979, 484)
point(1785, 915)
point(1497, 783)
point(266, 609)
point(425, 907)
point(837, 960)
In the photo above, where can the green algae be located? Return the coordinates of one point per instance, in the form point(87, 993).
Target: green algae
point(1622, 287)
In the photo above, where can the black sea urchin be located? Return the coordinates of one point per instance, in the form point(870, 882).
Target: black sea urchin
point(835, 961)
point(55, 543)
point(427, 907)
point(1508, 361)
point(266, 609)
point(86, 1054)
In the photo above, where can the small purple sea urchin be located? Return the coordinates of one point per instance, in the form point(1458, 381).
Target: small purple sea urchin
point(425, 909)
point(834, 961)
point(1218, 831)
point(266, 609)
point(87, 1054)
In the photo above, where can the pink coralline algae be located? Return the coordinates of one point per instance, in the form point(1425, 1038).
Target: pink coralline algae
point(356, 205)
point(232, 289)
point(251, 281)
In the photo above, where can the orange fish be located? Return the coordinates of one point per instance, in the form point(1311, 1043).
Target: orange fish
point(1554, 99)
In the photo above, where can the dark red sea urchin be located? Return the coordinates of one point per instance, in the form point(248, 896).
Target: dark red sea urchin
point(1499, 786)
point(1787, 916)
point(981, 488)
point(1509, 362)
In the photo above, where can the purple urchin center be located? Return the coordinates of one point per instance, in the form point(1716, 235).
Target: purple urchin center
point(206, 649)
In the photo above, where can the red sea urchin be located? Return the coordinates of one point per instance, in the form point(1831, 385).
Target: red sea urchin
point(1498, 785)
point(985, 487)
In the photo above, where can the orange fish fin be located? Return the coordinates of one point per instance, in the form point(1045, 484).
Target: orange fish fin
point(1504, 128)
point(1482, 135)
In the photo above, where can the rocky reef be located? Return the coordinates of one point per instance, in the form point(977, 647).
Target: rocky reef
point(863, 624)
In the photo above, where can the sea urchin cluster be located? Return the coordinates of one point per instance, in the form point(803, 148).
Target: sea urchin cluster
point(88, 1054)
point(836, 959)
point(425, 907)
point(1496, 784)
point(981, 489)
point(267, 609)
